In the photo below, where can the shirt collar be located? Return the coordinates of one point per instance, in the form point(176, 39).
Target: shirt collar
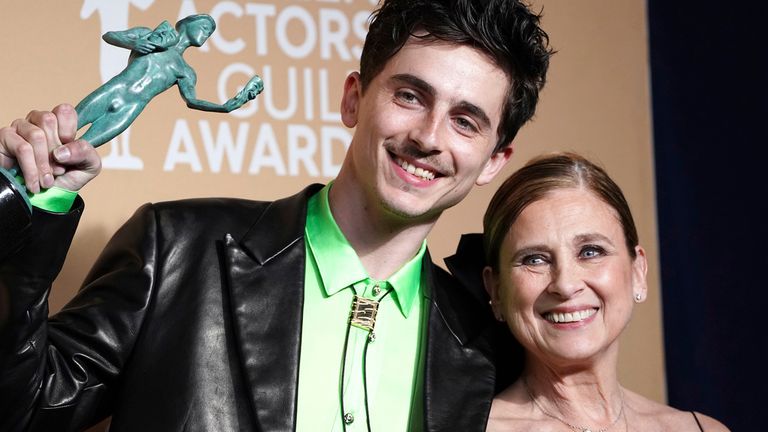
point(332, 253)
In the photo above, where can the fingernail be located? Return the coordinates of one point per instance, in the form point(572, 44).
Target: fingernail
point(61, 154)
point(47, 181)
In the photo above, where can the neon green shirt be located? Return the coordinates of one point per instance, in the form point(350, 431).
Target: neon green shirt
point(55, 199)
point(332, 387)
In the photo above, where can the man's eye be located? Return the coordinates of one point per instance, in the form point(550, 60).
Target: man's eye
point(465, 124)
point(591, 251)
point(407, 97)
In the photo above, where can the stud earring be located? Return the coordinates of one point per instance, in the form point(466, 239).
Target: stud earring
point(638, 297)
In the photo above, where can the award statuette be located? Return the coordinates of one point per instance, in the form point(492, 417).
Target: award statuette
point(155, 64)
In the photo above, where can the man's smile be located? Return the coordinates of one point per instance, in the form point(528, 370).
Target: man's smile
point(422, 173)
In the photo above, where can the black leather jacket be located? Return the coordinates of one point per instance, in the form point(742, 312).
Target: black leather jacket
point(190, 320)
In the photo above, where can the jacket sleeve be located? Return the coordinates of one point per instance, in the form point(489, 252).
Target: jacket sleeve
point(58, 373)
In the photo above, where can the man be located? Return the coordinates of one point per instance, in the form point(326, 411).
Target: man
point(321, 311)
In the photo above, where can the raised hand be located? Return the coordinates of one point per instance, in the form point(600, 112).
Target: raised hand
point(43, 147)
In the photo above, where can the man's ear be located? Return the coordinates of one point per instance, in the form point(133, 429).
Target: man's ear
point(491, 283)
point(350, 99)
point(497, 161)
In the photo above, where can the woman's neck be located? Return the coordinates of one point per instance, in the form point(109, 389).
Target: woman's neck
point(586, 396)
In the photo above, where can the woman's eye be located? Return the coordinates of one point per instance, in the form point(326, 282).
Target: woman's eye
point(534, 260)
point(591, 251)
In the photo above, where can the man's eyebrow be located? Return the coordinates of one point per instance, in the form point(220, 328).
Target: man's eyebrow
point(425, 87)
point(476, 112)
point(415, 81)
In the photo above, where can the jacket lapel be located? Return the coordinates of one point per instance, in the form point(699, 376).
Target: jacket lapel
point(459, 372)
point(265, 276)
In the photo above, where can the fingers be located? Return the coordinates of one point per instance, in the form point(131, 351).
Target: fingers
point(78, 154)
point(67, 122)
point(26, 143)
point(145, 46)
point(15, 151)
point(83, 163)
point(29, 142)
point(67, 129)
point(42, 144)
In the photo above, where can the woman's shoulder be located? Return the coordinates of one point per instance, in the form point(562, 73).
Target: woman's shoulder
point(709, 424)
point(658, 416)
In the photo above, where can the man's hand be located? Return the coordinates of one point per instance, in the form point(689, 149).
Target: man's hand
point(43, 146)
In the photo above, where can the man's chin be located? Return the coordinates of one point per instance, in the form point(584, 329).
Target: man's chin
point(412, 210)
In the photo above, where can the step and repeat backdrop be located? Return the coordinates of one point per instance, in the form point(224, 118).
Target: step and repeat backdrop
point(596, 102)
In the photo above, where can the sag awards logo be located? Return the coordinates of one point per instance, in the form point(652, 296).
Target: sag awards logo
point(246, 140)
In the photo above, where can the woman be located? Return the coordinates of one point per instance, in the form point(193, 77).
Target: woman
point(565, 270)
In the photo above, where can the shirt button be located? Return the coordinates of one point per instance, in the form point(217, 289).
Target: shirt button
point(376, 290)
point(348, 418)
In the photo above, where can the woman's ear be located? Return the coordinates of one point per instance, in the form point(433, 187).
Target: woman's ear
point(491, 283)
point(639, 278)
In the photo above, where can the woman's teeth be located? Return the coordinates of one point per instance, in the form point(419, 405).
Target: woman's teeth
point(569, 317)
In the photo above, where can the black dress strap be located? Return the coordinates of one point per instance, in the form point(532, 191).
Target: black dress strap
point(697, 421)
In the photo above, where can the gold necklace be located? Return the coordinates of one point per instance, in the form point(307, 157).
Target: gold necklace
point(572, 426)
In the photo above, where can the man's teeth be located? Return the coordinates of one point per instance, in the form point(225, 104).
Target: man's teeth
point(418, 172)
point(569, 317)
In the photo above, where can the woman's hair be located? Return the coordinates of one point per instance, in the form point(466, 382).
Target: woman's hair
point(534, 181)
point(505, 30)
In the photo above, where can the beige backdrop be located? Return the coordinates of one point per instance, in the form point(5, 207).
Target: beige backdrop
point(596, 102)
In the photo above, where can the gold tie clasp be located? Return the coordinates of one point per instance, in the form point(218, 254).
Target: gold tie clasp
point(363, 314)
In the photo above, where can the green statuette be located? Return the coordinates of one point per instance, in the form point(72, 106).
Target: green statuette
point(156, 63)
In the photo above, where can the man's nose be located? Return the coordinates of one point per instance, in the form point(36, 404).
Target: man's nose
point(426, 134)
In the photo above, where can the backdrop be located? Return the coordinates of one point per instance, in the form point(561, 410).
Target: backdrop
point(710, 105)
point(596, 102)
